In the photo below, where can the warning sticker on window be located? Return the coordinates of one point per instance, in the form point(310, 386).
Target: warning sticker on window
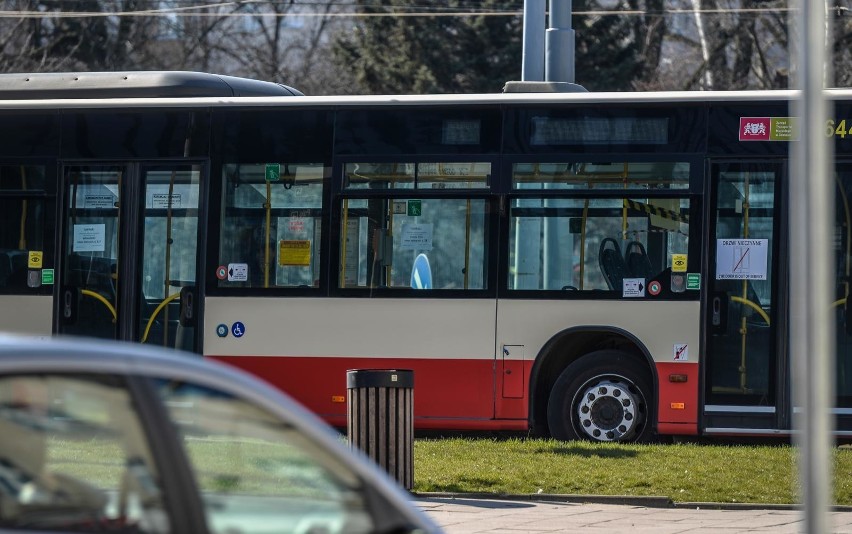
point(633, 287)
point(294, 253)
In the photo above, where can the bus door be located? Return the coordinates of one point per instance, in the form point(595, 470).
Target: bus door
point(744, 370)
point(843, 302)
point(130, 246)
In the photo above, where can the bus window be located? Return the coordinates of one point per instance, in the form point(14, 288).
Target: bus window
point(417, 243)
point(22, 223)
point(272, 224)
point(595, 244)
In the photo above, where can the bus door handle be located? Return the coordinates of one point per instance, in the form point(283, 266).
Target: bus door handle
point(70, 297)
point(719, 313)
point(188, 313)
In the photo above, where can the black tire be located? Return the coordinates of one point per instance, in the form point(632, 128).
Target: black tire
point(604, 396)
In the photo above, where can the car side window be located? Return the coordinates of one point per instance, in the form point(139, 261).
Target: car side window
point(255, 470)
point(73, 454)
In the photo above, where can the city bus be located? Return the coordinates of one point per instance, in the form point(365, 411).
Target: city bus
point(609, 267)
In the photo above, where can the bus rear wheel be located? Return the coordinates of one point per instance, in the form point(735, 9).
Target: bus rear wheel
point(605, 396)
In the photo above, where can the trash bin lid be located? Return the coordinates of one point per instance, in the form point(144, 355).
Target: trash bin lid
point(379, 378)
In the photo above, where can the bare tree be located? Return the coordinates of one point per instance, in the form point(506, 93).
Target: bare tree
point(275, 41)
point(723, 45)
point(51, 35)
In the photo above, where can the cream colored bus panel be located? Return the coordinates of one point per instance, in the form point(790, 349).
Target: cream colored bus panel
point(377, 328)
point(659, 325)
point(25, 314)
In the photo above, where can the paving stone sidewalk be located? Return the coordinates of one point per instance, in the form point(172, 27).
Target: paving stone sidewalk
point(461, 515)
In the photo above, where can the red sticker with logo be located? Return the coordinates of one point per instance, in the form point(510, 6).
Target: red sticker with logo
point(755, 128)
point(654, 288)
point(221, 272)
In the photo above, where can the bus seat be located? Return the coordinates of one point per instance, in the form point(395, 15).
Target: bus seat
point(612, 263)
point(637, 260)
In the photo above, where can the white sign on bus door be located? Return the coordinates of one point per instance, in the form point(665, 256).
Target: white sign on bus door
point(741, 259)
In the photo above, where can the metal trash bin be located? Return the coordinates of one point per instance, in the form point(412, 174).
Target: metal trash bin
point(380, 419)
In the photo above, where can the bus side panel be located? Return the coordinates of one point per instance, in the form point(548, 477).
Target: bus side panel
point(447, 393)
point(668, 330)
point(305, 346)
point(678, 407)
point(26, 314)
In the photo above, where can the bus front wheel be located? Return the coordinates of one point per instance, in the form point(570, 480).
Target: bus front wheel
point(604, 396)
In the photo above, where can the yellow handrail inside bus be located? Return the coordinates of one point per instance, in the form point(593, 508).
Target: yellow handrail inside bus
point(168, 265)
point(753, 306)
point(102, 299)
point(744, 298)
point(162, 305)
point(591, 185)
point(344, 239)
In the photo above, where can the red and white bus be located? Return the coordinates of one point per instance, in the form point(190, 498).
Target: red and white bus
point(595, 266)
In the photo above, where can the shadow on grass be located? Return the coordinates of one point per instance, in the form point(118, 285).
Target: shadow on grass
point(464, 484)
point(586, 452)
point(477, 501)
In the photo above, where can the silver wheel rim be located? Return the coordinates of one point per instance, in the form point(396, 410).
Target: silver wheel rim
point(609, 409)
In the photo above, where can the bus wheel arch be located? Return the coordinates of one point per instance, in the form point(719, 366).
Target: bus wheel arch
point(602, 351)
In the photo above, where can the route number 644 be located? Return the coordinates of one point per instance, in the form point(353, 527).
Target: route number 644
point(834, 128)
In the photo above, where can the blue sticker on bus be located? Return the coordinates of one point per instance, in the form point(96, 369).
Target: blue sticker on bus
point(238, 329)
point(222, 330)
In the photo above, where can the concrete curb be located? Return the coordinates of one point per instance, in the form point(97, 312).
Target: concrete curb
point(647, 501)
point(628, 500)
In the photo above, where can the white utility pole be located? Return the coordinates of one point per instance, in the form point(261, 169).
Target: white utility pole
point(811, 205)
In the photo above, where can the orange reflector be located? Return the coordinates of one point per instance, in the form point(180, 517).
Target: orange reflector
point(678, 406)
point(677, 378)
point(338, 398)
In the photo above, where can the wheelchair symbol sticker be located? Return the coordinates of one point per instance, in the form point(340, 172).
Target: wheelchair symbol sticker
point(238, 329)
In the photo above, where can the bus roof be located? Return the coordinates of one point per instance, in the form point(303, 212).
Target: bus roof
point(136, 84)
point(172, 89)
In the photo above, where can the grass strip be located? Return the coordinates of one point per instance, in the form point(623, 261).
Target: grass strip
point(683, 472)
